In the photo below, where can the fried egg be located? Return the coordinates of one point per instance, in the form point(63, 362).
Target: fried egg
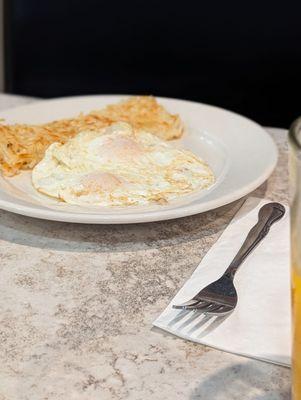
point(119, 166)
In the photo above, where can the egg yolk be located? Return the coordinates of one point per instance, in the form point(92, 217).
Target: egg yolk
point(103, 181)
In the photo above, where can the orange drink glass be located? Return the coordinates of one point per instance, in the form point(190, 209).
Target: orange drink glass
point(295, 177)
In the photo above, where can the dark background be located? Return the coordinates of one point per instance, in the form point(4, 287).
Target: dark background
point(244, 56)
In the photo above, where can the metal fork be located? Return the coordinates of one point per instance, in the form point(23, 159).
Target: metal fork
point(220, 297)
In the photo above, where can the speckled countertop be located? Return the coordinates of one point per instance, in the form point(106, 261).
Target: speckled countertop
point(77, 304)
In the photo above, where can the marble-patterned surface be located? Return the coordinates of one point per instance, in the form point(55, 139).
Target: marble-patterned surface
point(77, 303)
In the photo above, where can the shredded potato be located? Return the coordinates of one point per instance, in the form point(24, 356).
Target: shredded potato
point(23, 146)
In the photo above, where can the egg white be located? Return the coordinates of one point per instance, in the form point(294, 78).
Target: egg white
point(119, 167)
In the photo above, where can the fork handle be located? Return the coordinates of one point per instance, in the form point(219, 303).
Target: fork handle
point(268, 214)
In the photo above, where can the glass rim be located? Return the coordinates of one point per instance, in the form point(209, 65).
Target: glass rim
point(294, 128)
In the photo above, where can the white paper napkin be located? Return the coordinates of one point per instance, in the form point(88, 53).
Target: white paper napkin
point(259, 327)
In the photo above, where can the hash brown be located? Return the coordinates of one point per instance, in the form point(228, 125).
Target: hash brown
point(22, 146)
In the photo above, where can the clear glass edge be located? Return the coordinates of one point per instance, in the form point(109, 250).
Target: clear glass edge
point(294, 128)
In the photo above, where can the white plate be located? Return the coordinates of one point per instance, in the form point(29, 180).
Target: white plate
point(241, 154)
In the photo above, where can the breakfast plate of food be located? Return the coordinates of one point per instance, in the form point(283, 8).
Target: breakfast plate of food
point(127, 159)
